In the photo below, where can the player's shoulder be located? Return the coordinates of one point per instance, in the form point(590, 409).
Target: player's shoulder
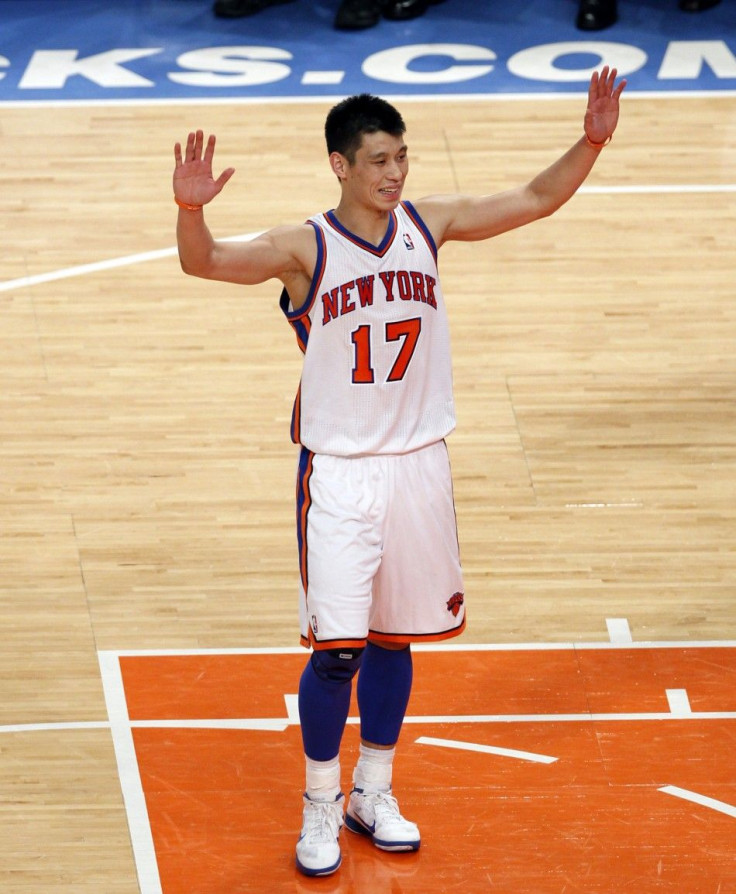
point(295, 240)
point(436, 204)
point(291, 233)
point(436, 212)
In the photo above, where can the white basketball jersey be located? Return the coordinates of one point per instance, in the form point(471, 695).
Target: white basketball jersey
point(377, 374)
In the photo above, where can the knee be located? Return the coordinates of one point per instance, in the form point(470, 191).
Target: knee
point(390, 647)
point(336, 665)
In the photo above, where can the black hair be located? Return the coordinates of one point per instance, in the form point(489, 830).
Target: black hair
point(357, 115)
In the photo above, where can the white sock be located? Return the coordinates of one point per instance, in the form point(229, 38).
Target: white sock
point(374, 769)
point(323, 779)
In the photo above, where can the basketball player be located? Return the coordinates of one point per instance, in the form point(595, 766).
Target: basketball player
point(376, 532)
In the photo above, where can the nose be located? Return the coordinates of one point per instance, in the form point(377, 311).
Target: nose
point(394, 171)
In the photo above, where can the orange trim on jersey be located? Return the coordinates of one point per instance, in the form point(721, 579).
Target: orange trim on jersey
point(301, 314)
point(304, 499)
point(311, 643)
point(413, 215)
point(375, 637)
point(302, 331)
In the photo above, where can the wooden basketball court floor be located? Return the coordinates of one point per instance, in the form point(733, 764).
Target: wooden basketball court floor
point(580, 737)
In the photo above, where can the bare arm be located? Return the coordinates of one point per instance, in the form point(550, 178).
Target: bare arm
point(469, 218)
point(285, 253)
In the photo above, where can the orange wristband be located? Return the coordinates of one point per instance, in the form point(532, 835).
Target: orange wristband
point(597, 145)
point(187, 206)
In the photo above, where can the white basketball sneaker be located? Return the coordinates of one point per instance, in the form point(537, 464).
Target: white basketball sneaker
point(318, 848)
point(377, 814)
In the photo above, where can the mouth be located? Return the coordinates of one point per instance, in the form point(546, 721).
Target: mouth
point(390, 192)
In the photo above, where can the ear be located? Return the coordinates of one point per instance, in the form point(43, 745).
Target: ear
point(339, 165)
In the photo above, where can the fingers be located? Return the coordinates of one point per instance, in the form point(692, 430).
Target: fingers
point(210, 149)
point(196, 142)
point(617, 92)
point(199, 153)
point(193, 151)
point(224, 177)
point(603, 84)
point(196, 149)
point(600, 81)
point(611, 83)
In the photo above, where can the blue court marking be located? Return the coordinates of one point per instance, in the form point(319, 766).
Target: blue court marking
point(84, 50)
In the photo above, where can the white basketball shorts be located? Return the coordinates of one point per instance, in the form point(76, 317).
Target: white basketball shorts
point(378, 549)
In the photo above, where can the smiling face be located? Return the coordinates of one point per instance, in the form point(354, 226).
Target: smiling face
point(375, 178)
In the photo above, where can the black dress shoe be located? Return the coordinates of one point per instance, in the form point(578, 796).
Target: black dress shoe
point(401, 10)
point(234, 9)
point(595, 15)
point(353, 15)
point(697, 5)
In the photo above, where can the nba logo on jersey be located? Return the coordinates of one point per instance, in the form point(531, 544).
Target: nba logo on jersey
point(407, 242)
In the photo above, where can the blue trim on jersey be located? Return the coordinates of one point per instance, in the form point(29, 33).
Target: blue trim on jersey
point(298, 318)
point(300, 325)
point(296, 415)
point(419, 223)
point(303, 502)
point(379, 250)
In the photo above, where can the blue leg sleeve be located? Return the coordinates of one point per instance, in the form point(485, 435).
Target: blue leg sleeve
point(324, 700)
point(384, 686)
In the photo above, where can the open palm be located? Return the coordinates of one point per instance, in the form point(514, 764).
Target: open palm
point(601, 116)
point(194, 183)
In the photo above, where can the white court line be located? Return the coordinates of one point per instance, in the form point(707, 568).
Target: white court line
point(487, 749)
point(84, 269)
point(625, 504)
point(572, 646)
point(679, 702)
point(436, 98)
point(100, 266)
point(278, 724)
point(264, 724)
point(712, 803)
point(661, 189)
point(619, 630)
point(292, 708)
point(53, 727)
point(562, 718)
point(445, 647)
point(129, 773)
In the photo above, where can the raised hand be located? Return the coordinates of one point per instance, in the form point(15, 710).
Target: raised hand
point(193, 180)
point(601, 116)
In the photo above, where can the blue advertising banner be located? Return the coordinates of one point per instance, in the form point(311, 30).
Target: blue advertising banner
point(84, 50)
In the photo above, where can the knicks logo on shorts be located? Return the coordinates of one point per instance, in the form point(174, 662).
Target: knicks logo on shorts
point(454, 603)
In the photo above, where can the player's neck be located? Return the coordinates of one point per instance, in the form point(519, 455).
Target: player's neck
point(369, 224)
